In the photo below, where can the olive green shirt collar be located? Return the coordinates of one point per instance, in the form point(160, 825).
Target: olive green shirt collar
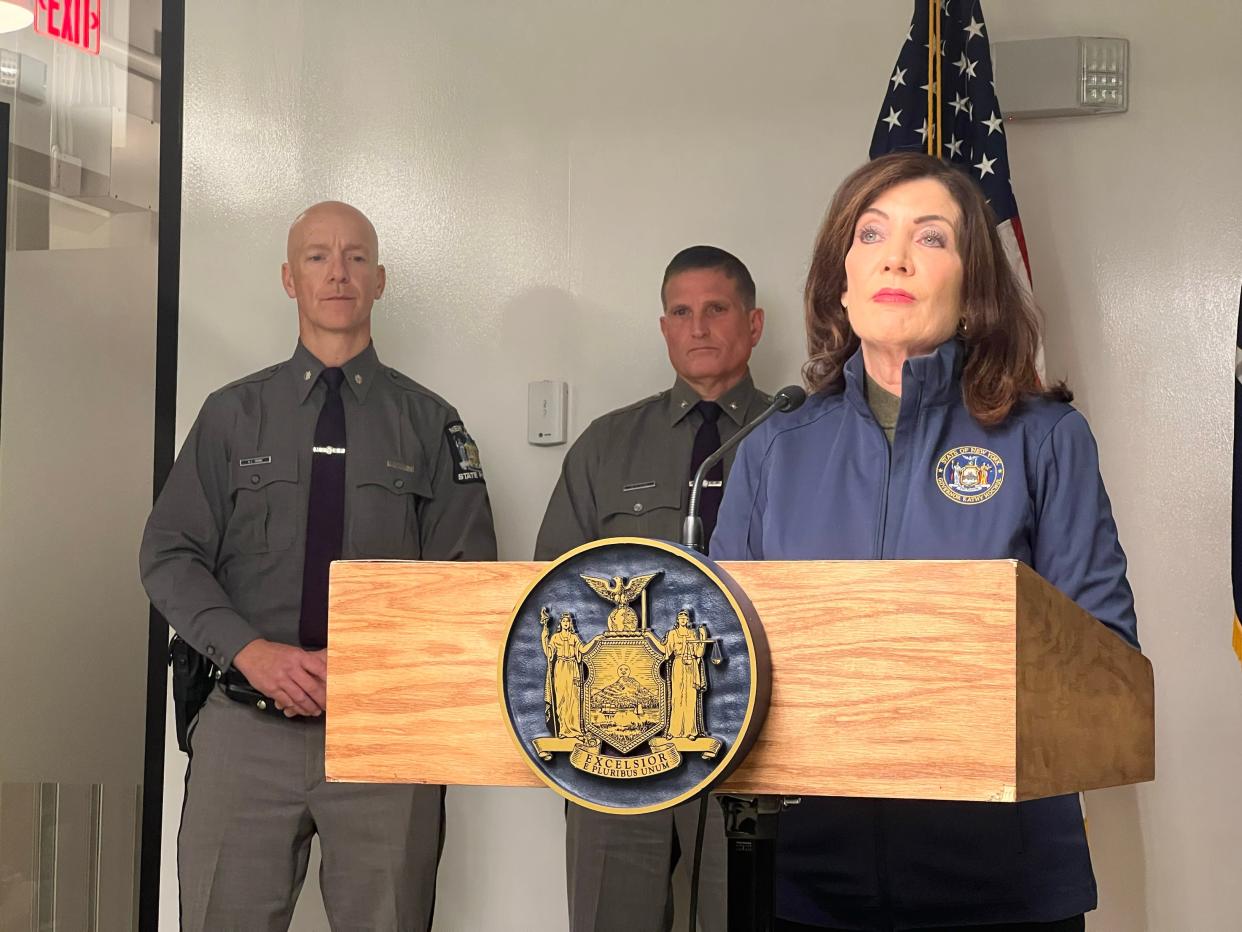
point(360, 371)
point(885, 407)
point(734, 402)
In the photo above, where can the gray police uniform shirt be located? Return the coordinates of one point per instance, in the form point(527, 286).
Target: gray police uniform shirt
point(223, 549)
point(628, 475)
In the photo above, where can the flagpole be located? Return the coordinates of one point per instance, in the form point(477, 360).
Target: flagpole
point(931, 75)
point(937, 13)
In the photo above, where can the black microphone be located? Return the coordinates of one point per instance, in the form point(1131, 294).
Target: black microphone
point(788, 399)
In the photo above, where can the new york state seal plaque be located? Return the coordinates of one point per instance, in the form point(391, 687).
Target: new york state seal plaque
point(634, 675)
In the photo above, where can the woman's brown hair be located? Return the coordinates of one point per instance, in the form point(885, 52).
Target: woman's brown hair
point(1000, 328)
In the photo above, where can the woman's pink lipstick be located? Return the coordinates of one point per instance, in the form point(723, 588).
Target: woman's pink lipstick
point(893, 296)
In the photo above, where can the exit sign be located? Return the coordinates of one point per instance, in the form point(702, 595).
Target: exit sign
point(74, 22)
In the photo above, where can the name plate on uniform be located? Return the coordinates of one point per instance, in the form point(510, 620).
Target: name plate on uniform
point(634, 675)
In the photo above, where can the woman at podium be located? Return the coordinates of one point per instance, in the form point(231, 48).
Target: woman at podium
point(928, 435)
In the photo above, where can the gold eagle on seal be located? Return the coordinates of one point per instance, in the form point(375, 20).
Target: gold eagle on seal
point(620, 593)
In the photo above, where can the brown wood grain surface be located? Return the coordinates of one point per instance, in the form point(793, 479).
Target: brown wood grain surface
point(1106, 739)
point(890, 678)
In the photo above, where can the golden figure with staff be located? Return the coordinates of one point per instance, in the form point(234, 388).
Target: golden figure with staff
point(562, 688)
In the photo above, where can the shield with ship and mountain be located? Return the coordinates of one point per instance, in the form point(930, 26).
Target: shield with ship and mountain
point(625, 698)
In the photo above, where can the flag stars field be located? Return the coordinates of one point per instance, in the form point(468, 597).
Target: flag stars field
point(951, 128)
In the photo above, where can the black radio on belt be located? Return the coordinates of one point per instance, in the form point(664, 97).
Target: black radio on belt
point(193, 677)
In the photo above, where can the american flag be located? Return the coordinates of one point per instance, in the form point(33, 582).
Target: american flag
point(971, 131)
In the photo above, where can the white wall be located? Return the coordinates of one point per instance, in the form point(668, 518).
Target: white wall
point(532, 166)
point(1135, 229)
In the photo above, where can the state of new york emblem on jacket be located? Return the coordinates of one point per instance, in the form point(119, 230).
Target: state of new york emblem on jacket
point(970, 475)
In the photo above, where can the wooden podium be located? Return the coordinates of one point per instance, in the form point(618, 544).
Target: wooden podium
point(963, 680)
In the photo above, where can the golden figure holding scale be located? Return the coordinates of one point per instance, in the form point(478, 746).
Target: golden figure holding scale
point(685, 646)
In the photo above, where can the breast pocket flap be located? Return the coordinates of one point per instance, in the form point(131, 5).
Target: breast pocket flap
point(639, 498)
point(258, 472)
point(394, 475)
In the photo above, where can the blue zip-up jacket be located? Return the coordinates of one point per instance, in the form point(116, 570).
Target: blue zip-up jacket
point(822, 484)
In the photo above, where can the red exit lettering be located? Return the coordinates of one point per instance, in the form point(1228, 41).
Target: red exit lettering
point(73, 22)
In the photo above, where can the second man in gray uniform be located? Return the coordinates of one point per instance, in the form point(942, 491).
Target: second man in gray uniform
point(628, 475)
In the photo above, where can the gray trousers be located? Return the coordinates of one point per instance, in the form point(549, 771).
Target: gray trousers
point(255, 794)
point(620, 868)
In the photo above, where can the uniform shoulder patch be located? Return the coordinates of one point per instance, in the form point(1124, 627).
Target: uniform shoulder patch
point(970, 475)
point(636, 405)
point(404, 382)
point(261, 376)
point(467, 467)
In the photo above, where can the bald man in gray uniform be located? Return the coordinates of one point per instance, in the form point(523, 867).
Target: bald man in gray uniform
point(329, 454)
point(628, 476)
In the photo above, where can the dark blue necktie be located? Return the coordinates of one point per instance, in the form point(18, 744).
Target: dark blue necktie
point(707, 442)
point(325, 517)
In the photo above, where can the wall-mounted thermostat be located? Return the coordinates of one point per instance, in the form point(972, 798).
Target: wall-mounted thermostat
point(547, 407)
